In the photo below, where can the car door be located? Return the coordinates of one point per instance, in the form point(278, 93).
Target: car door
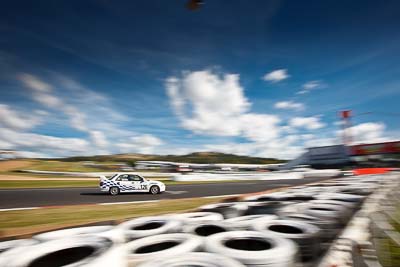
point(140, 183)
point(125, 183)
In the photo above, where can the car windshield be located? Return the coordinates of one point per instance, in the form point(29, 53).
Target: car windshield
point(115, 175)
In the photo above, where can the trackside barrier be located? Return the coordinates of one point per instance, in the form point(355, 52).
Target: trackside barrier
point(351, 221)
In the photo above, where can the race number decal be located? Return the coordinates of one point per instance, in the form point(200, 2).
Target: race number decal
point(143, 186)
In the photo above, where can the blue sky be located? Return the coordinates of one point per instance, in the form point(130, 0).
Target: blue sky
point(263, 78)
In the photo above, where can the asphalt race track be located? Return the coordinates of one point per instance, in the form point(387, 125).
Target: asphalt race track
point(22, 198)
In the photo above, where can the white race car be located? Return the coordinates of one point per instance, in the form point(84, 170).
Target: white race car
point(129, 182)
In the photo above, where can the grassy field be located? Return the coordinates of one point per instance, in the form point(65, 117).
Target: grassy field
point(4, 184)
point(14, 166)
point(14, 184)
point(27, 222)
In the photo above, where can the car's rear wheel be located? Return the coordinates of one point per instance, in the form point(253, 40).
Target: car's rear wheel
point(154, 190)
point(114, 191)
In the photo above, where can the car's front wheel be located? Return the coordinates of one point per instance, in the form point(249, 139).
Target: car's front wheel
point(154, 190)
point(114, 191)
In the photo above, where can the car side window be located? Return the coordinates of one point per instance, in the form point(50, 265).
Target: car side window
point(137, 178)
point(123, 177)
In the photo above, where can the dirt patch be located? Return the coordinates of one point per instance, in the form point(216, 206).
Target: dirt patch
point(10, 165)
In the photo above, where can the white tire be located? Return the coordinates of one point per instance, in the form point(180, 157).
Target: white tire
point(264, 207)
point(108, 231)
point(198, 259)
point(329, 228)
point(87, 251)
point(342, 197)
point(206, 229)
point(198, 217)
point(304, 234)
point(327, 212)
point(245, 222)
point(149, 226)
point(226, 209)
point(7, 245)
point(254, 248)
point(161, 246)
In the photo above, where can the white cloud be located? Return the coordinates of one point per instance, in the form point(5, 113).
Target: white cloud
point(209, 104)
point(282, 148)
point(309, 123)
point(11, 119)
point(99, 139)
point(309, 86)
point(276, 76)
point(289, 105)
point(74, 105)
point(87, 111)
point(140, 144)
point(35, 83)
point(215, 102)
point(368, 132)
point(324, 141)
point(259, 127)
point(45, 144)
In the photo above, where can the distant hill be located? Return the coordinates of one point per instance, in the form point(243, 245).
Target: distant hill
point(197, 157)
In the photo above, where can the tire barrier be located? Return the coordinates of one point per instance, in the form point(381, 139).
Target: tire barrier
point(254, 248)
point(107, 231)
point(7, 245)
point(265, 207)
point(149, 226)
point(264, 230)
point(328, 212)
point(245, 222)
point(290, 209)
point(277, 196)
point(87, 251)
point(350, 198)
point(328, 228)
point(198, 217)
point(198, 259)
point(161, 246)
point(307, 236)
point(349, 207)
point(227, 209)
point(206, 229)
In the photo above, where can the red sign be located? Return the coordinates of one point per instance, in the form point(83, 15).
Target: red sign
point(345, 114)
point(372, 149)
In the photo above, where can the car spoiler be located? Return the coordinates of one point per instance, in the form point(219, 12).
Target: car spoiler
point(102, 178)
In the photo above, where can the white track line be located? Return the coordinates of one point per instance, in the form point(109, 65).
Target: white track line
point(13, 209)
point(222, 196)
point(175, 192)
point(128, 202)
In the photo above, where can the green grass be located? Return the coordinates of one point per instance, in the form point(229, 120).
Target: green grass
point(13, 184)
point(55, 165)
point(26, 222)
point(46, 184)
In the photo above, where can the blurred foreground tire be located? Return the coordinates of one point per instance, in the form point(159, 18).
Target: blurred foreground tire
point(254, 248)
point(161, 246)
point(245, 222)
point(198, 259)
point(82, 251)
point(108, 231)
point(149, 226)
point(328, 212)
point(7, 245)
point(227, 210)
point(197, 217)
point(304, 234)
point(207, 228)
point(328, 228)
